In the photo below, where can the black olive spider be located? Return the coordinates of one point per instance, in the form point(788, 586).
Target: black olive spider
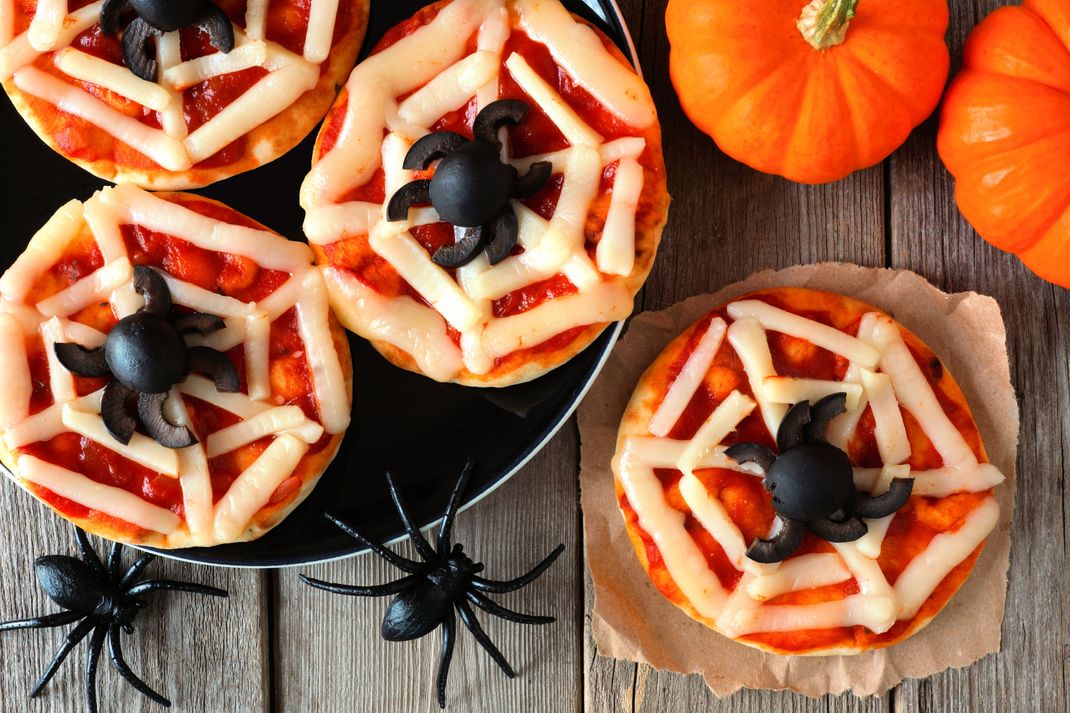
point(445, 581)
point(146, 355)
point(812, 483)
point(155, 17)
point(105, 601)
point(472, 186)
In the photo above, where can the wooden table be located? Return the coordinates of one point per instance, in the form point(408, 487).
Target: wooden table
point(276, 645)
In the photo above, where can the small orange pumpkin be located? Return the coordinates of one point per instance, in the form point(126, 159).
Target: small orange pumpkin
point(811, 92)
point(1005, 134)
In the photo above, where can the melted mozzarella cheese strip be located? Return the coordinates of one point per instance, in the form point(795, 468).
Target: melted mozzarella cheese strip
point(94, 70)
point(168, 55)
point(723, 421)
point(856, 610)
point(940, 482)
point(201, 300)
point(751, 345)
point(330, 223)
point(272, 421)
point(564, 116)
point(665, 452)
point(432, 282)
point(791, 390)
point(47, 24)
point(870, 544)
point(199, 69)
point(149, 211)
point(916, 394)
point(328, 380)
point(890, 431)
point(254, 487)
point(20, 52)
point(256, 18)
point(93, 288)
point(104, 224)
point(16, 388)
point(319, 36)
point(581, 53)
point(61, 381)
point(665, 524)
point(616, 248)
point(716, 520)
point(616, 150)
point(41, 426)
point(778, 320)
point(270, 96)
point(944, 553)
point(96, 496)
point(257, 346)
point(7, 21)
point(692, 373)
point(141, 449)
point(40, 253)
point(205, 390)
point(450, 90)
point(195, 479)
point(803, 572)
point(153, 143)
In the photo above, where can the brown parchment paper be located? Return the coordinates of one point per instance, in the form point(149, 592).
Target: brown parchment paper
point(633, 621)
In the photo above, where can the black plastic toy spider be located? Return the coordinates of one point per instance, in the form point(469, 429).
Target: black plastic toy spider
point(147, 355)
point(471, 187)
point(812, 484)
point(446, 580)
point(105, 600)
point(155, 17)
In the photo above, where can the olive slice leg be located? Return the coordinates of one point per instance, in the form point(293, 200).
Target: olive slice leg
point(216, 23)
point(431, 148)
point(167, 434)
point(781, 545)
point(468, 245)
point(534, 180)
point(505, 231)
point(149, 284)
point(198, 323)
point(822, 413)
point(495, 115)
point(790, 433)
point(138, 52)
point(214, 363)
point(81, 361)
point(111, 13)
point(117, 419)
point(752, 453)
point(883, 505)
point(828, 529)
point(406, 197)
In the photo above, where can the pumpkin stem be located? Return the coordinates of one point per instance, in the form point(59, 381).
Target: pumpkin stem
point(823, 23)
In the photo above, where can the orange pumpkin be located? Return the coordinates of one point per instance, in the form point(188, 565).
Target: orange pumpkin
point(808, 91)
point(1005, 134)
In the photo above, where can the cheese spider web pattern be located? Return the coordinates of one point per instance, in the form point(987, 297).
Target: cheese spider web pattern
point(882, 376)
point(209, 516)
point(44, 61)
point(401, 93)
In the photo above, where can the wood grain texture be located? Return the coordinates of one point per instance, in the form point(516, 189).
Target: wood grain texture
point(930, 237)
point(330, 656)
point(203, 653)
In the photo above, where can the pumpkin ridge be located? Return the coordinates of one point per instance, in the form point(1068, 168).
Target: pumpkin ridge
point(906, 99)
point(980, 50)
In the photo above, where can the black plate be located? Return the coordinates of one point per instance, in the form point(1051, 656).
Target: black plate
point(420, 430)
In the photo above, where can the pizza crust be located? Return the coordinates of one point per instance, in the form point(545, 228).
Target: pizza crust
point(263, 144)
point(651, 389)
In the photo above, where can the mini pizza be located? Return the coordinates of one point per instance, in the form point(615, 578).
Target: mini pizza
point(801, 473)
point(175, 94)
point(488, 192)
point(173, 375)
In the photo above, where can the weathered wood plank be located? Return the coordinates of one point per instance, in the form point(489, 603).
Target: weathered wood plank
point(726, 222)
point(931, 237)
point(205, 654)
point(329, 654)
